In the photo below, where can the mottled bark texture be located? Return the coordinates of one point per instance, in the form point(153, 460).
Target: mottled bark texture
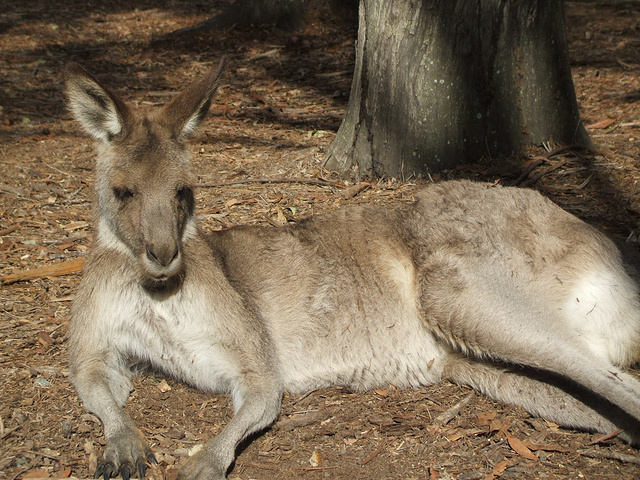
point(443, 82)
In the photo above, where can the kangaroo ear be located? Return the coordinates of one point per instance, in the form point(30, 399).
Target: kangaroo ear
point(187, 109)
point(100, 111)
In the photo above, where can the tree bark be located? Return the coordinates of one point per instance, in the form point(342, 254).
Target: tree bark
point(443, 82)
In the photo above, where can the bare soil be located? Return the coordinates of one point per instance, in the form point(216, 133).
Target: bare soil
point(278, 110)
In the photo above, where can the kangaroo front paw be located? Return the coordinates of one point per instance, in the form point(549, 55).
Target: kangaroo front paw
point(126, 453)
point(203, 466)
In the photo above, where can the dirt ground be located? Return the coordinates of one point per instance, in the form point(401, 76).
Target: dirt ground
point(278, 110)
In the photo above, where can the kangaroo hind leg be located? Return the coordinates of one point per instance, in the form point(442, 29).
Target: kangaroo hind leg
point(549, 397)
point(604, 309)
point(501, 320)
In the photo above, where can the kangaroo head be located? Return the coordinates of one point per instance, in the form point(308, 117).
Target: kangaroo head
point(145, 200)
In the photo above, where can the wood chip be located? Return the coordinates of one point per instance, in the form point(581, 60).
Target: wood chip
point(373, 455)
point(497, 470)
point(298, 421)
point(64, 268)
point(354, 190)
point(316, 459)
point(604, 123)
point(604, 438)
point(448, 415)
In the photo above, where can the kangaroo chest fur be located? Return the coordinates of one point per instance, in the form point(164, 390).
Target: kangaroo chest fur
point(177, 334)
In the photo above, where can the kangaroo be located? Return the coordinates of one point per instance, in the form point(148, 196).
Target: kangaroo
point(487, 286)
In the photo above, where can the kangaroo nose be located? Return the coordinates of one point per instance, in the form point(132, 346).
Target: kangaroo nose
point(161, 256)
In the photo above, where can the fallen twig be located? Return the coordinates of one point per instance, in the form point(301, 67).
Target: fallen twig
point(255, 465)
point(528, 170)
point(630, 155)
point(298, 421)
point(50, 478)
point(10, 229)
point(309, 181)
point(604, 438)
point(63, 268)
point(448, 415)
point(311, 469)
point(72, 239)
point(271, 222)
point(374, 454)
point(541, 160)
point(354, 190)
point(560, 150)
point(622, 457)
point(498, 470)
point(10, 189)
point(302, 397)
point(544, 172)
point(8, 432)
point(50, 457)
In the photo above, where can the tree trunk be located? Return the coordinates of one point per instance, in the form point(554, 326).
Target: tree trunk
point(443, 82)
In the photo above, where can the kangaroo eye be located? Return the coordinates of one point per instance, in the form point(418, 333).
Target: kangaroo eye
point(184, 193)
point(122, 193)
point(185, 198)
